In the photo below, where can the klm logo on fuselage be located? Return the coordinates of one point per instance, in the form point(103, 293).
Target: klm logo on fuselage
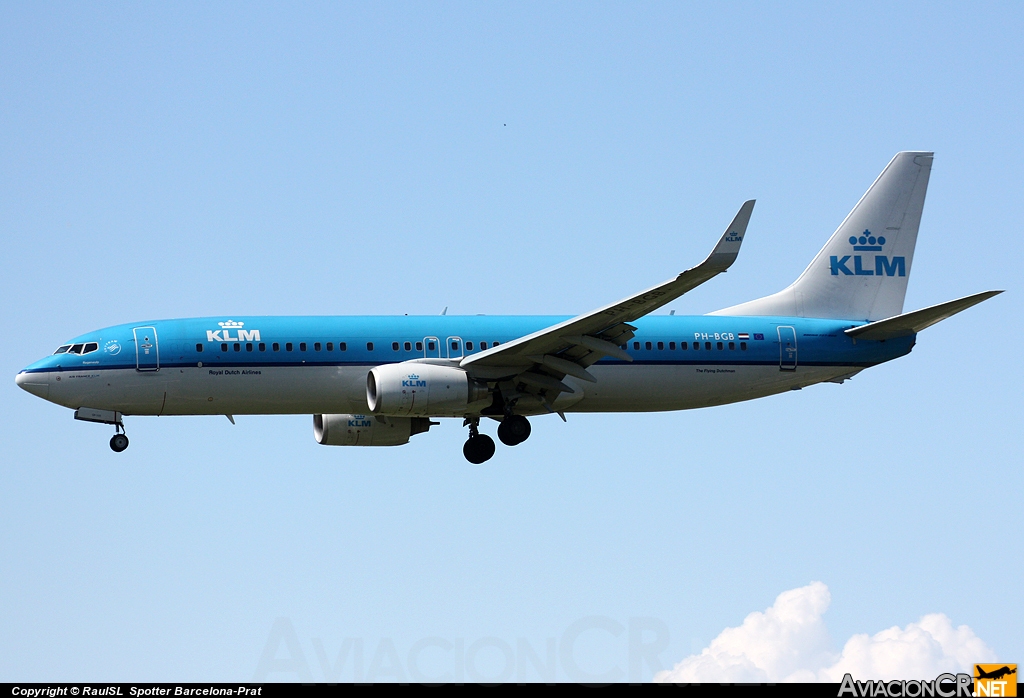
point(413, 381)
point(224, 334)
point(883, 266)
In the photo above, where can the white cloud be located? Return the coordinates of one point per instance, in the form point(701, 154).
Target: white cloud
point(790, 642)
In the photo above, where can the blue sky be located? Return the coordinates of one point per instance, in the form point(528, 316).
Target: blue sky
point(211, 159)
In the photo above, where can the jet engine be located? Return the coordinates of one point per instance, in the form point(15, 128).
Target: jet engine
point(366, 430)
point(411, 388)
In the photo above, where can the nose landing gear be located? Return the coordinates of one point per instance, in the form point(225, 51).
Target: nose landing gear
point(479, 447)
point(119, 441)
point(514, 430)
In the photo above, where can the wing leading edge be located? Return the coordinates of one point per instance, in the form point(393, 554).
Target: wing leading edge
point(540, 361)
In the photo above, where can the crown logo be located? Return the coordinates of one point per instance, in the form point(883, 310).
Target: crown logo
point(867, 242)
point(231, 324)
point(413, 377)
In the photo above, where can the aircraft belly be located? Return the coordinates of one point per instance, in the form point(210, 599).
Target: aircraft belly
point(674, 387)
point(342, 389)
point(271, 390)
point(199, 391)
point(123, 390)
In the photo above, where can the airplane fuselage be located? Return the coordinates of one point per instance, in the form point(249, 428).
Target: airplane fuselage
point(312, 365)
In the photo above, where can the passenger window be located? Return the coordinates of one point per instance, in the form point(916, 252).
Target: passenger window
point(316, 346)
point(263, 347)
point(732, 346)
point(287, 346)
point(494, 344)
point(248, 346)
point(696, 346)
point(430, 346)
point(469, 346)
point(238, 346)
point(63, 349)
point(647, 346)
point(455, 346)
point(342, 346)
point(199, 348)
point(661, 346)
point(369, 346)
point(394, 346)
point(707, 346)
point(302, 346)
point(684, 345)
point(419, 346)
point(636, 345)
point(408, 346)
point(330, 346)
point(743, 346)
point(671, 346)
point(275, 346)
point(224, 347)
point(483, 345)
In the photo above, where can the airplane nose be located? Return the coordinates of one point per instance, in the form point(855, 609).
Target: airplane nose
point(36, 383)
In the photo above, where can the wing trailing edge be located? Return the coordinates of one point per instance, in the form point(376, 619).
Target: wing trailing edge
point(535, 365)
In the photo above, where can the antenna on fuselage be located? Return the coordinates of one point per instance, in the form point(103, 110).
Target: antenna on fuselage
point(445, 311)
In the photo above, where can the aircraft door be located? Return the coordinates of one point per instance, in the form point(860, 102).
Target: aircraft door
point(455, 348)
point(147, 351)
point(787, 349)
point(431, 348)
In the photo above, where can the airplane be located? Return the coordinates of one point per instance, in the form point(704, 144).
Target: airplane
point(378, 381)
point(995, 674)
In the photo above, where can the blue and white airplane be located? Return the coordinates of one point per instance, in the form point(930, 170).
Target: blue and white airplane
point(377, 381)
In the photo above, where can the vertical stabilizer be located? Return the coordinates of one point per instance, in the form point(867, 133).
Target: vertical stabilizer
point(862, 272)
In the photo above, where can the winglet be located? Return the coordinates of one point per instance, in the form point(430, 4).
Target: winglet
point(727, 249)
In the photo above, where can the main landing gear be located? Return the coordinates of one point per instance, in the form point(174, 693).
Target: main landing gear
point(514, 429)
point(479, 447)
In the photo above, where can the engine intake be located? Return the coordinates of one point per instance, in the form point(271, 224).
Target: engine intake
point(366, 430)
point(411, 388)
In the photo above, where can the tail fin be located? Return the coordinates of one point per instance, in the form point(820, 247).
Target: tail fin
point(862, 272)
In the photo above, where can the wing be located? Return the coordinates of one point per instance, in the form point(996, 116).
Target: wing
point(538, 362)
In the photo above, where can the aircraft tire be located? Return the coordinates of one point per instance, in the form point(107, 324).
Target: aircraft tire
point(478, 449)
point(514, 430)
point(118, 443)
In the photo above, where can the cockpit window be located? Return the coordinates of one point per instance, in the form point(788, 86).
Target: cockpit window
point(84, 348)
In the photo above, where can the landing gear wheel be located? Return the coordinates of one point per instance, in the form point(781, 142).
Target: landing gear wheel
point(478, 449)
point(118, 443)
point(514, 430)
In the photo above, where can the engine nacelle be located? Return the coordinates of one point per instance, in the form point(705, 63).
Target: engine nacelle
point(366, 430)
point(411, 388)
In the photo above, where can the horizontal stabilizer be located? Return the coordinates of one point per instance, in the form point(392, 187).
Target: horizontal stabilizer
point(911, 323)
